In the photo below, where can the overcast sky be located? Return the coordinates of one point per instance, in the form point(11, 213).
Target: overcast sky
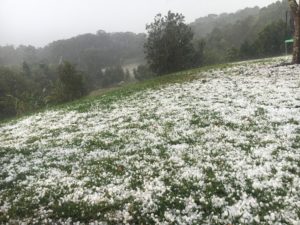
point(38, 22)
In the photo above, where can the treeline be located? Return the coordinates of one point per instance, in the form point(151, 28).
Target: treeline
point(90, 52)
point(269, 42)
point(33, 86)
point(248, 33)
point(32, 78)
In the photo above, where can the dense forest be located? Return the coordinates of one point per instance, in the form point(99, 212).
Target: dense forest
point(248, 33)
point(31, 78)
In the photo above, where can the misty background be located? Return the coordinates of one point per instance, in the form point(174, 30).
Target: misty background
point(37, 23)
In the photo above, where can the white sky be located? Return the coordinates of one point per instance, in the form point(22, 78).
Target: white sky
point(38, 22)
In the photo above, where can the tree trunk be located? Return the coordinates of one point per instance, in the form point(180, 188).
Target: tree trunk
point(295, 9)
point(296, 47)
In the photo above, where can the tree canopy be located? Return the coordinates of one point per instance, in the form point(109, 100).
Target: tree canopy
point(169, 45)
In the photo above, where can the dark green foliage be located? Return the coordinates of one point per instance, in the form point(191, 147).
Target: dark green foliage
point(94, 80)
point(270, 40)
point(254, 32)
point(247, 50)
point(232, 54)
point(15, 92)
point(69, 85)
point(89, 51)
point(49, 84)
point(26, 69)
point(27, 88)
point(143, 72)
point(112, 76)
point(93, 52)
point(205, 25)
point(198, 57)
point(169, 45)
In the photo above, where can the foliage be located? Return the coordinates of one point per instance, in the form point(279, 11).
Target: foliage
point(90, 52)
point(198, 54)
point(113, 75)
point(15, 93)
point(244, 31)
point(232, 54)
point(270, 40)
point(247, 50)
point(143, 72)
point(69, 85)
point(21, 93)
point(26, 69)
point(169, 45)
point(205, 25)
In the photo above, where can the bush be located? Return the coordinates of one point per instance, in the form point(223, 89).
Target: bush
point(112, 76)
point(143, 72)
point(16, 93)
point(69, 85)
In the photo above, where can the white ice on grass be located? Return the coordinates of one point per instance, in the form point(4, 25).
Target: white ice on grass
point(229, 144)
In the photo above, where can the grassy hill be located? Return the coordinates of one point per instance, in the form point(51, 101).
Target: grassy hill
point(208, 146)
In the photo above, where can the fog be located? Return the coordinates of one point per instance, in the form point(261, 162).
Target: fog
point(38, 22)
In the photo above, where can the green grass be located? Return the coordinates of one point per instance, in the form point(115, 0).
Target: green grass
point(98, 159)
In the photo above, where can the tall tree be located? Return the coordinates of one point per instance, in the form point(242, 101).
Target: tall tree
point(169, 45)
point(70, 82)
point(295, 8)
point(26, 69)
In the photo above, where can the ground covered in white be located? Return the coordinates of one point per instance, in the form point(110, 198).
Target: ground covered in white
point(223, 149)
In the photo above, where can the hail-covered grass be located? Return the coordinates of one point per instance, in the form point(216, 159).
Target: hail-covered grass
point(221, 149)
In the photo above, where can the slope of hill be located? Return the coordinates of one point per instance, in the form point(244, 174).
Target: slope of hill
point(220, 149)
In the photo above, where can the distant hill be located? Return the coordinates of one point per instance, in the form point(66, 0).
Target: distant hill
point(92, 52)
point(87, 51)
point(205, 25)
point(243, 25)
point(226, 34)
point(101, 49)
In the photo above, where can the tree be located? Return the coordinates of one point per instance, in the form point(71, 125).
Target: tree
point(295, 8)
point(169, 45)
point(198, 58)
point(15, 90)
point(26, 69)
point(247, 50)
point(232, 54)
point(270, 40)
point(70, 84)
point(113, 75)
point(142, 72)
